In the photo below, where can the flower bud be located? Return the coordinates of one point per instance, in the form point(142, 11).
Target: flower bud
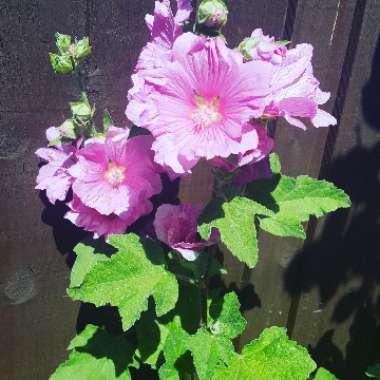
point(263, 48)
point(67, 129)
point(212, 15)
point(82, 48)
point(63, 42)
point(61, 63)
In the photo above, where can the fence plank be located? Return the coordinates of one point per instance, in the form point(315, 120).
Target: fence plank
point(326, 25)
point(338, 273)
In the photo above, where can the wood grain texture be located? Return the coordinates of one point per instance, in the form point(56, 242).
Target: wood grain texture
point(337, 273)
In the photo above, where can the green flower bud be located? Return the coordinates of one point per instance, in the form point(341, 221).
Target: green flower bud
point(82, 111)
point(212, 14)
point(82, 48)
point(63, 42)
point(61, 63)
point(67, 129)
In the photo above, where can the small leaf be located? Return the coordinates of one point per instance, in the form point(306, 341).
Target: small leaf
point(128, 279)
point(282, 42)
point(56, 141)
point(67, 129)
point(96, 355)
point(234, 218)
point(168, 372)
point(225, 317)
point(270, 357)
point(63, 42)
point(208, 351)
point(275, 164)
point(61, 63)
point(82, 48)
point(323, 374)
point(107, 121)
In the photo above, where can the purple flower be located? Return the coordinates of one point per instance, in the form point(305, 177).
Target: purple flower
point(176, 226)
point(54, 176)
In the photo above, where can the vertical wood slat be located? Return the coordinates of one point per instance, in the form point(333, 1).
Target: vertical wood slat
point(337, 273)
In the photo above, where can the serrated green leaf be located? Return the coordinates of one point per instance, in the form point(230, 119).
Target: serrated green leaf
point(176, 341)
point(61, 63)
point(86, 259)
point(82, 48)
point(323, 374)
point(275, 164)
point(96, 355)
point(225, 317)
point(151, 337)
point(129, 278)
point(283, 227)
point(67, 129)
point(208, 351)
point(63, 42)
point(374, 371)
point(270, 357)
point(235, 221)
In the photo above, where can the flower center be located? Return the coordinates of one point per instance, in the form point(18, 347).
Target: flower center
point(115, 174)
point(206, 112)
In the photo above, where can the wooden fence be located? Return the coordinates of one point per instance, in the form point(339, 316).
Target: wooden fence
point(325, 291)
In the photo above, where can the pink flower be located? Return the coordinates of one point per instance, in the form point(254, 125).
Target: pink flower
point(196, 105)
point(176, 226)
point(295, 91)
point(255, 145)
point(103, 225)
point(263, 48)
point(54, 176)
point(118, 176)
point(164, 29)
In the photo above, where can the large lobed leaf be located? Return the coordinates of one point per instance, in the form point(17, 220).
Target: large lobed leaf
point(270, 357)
point(235, 221)
point(96, 355)
point(128, 278)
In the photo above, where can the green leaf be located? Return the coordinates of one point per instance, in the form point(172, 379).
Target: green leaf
point(275, 164)
point(208, 351)
point(168, 372)
point(56, 141)
point(235, 221)
point(176, 341)
point(374, 371)
point(63, 42)
point(128, 279)
point(282, 42)
point(86, 259)
point(324, 374)
point(67, 129)
point(225, 317)
point(107, 121)
point(151, 337)
point(96, 355)
point(82, 48)
point(61, 63)
point(80, 109)
point(270, 357)
point(283, 227)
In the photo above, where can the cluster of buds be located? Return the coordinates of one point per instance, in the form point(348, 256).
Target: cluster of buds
point(212, 16)
point(69, 53)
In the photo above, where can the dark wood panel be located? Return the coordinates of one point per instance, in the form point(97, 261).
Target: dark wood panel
point(337, 274)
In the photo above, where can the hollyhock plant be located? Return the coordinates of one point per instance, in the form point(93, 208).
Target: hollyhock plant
point(176, 226)
point(54, 176)
point(201, 103)
point(118, 176)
